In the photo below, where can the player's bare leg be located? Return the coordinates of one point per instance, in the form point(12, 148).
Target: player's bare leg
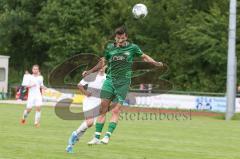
point(105, 103)
point(25, 115)
point(116, 112)
point(113, 122)
point(37, 116)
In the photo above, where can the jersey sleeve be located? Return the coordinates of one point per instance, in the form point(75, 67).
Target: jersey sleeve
point(137, 51)
point(106, 51)
point(41, 84)
point(82, 82)
point(25, 81)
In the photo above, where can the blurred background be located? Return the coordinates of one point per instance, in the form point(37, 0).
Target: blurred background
point(189, 35)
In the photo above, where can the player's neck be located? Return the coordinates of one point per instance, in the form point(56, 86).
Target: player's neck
point(122, 44)
point(100, 73)
point(35, 75)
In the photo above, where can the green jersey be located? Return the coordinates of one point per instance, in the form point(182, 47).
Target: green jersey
point(120, 60)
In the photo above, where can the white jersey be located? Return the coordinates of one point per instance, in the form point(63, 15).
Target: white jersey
point(34, 93)
point(35, 90)
point(91, 104)
point(93, 82)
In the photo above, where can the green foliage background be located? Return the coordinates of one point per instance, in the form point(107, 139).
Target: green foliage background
point(189, 35)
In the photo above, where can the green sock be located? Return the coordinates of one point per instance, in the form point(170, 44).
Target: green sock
point(111, 127)
point(99, 127)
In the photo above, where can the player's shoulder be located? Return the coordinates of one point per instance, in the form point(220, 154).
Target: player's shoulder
point(40, 77)
point(133, 45)
point(110, 45)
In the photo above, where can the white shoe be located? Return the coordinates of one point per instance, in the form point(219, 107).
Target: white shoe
point(94, 141)
point(105, 140)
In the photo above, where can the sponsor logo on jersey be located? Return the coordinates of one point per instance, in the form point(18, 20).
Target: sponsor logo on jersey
point(126, 53)
point(118, 58)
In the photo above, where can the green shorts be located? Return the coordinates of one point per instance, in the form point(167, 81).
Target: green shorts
point(115, 93)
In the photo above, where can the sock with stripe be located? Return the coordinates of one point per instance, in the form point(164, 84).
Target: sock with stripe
point(99, 127)
point(111, 127)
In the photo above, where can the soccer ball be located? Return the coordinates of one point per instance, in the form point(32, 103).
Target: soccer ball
point(139, 11)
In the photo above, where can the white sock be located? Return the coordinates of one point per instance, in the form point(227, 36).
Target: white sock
point(37, 117)
point(82, 129)
point(25, 114)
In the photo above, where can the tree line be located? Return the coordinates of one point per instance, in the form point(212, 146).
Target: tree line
point(189, 35)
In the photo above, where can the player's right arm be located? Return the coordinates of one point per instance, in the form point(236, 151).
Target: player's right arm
point(81, 85)
point(96, 68)
point(42, 85)
point(85, 92)
point(102, 61)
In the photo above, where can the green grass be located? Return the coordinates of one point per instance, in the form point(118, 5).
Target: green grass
point(199, 138)
point(236, 116)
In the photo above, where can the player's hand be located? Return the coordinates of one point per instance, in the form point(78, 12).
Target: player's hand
point(44, 88)
point(85, 73)
point(159, 64)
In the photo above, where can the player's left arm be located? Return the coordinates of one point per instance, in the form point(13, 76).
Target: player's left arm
point(148, 59)
point(42, 85)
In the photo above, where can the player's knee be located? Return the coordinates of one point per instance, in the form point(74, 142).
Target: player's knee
point(101, 118)
point(116, 111)
point(38, 109)
point(89, 123)
point(29, 110)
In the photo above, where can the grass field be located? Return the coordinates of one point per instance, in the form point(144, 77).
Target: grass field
point(199, 138)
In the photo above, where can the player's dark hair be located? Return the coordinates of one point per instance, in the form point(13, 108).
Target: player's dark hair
point(120, 30)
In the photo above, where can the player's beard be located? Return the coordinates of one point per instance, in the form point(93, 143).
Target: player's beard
point(121, 42)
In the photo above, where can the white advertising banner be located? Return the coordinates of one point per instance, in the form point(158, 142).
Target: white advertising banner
point(167, 101)
point(238, 105)
point(171, 101)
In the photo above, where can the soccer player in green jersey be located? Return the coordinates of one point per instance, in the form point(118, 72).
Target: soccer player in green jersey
point(119, 58)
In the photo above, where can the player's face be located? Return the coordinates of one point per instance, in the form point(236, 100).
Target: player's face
point(121, 38)
point(35, 70)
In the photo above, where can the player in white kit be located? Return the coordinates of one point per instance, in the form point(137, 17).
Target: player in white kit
point(35, 84)
point(91, 105)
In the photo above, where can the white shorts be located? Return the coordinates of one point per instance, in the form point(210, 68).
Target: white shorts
point(91, 107)
point(36, 101)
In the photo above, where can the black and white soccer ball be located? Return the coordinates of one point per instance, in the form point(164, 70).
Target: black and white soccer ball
point(139, 11)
